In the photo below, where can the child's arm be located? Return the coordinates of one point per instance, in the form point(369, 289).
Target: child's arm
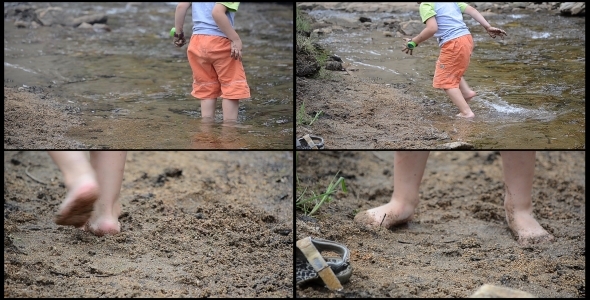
point(492, 31)
point(181, 9)
point(225, 26)
point(428, 32)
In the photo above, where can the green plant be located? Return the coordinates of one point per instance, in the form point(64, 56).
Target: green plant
point(301, 23)
point(311, 204)
point(304, 119)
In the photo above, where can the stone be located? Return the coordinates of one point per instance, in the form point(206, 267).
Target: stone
point(411, 27)
point(334, 66)
point(492, 291)
point(21, 24)
point(85, 26)
point(51, 15)
point(456, 146)
point(572, 8)
point(365, 19)
point(101, 28)
point(90, 19)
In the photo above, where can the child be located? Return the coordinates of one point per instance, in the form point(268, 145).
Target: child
point(215, 56)
point(518, 167)
point(92, 201)
point(444, 20)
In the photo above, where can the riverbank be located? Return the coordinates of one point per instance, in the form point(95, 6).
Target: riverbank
point(33, 119)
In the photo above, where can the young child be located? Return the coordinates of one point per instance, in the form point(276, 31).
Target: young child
point(92, 201)
point(444, 20)
point(518, 168)
point(215, 56)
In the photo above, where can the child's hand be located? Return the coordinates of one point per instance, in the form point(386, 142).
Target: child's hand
point(493, 32)
point(179, 39)
point(406, 49)
point(236, 49)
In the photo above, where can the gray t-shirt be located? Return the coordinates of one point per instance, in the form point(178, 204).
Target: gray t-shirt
point(203, 22)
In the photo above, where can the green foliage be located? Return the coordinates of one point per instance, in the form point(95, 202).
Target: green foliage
point(303, 118)
point(301, 23)
point(309, 205)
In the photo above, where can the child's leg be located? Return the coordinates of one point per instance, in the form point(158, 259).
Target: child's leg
point(208, 108)
point(407, 174)
point(519, 168)
point(109, 166)
point(230, 110)
point(468, 93)
point(457, 98)
point(81, 184)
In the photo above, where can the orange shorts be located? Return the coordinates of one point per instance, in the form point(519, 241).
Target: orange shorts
point(215, 73)
point(452, 62)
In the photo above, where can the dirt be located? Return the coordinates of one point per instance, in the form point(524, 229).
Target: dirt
point(33, 119)
point(358, 114)
point(458, 239)
point(194, 224)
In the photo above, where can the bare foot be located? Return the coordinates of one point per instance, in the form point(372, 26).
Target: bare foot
point(469, 96)
point(468, 116)
point(78, 205)
point(526, 229)
point(388, 215)
point(103, 226)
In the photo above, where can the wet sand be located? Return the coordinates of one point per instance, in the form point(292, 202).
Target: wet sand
point(221, 227)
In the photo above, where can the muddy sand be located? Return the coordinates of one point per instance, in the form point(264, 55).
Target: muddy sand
point(33, 119)
point(458, 239)
point(391, 119)
point(221, 227)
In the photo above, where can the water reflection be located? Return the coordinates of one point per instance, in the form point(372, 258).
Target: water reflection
point(218, 136)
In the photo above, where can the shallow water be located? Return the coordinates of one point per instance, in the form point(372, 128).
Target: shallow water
point(133, 86)
point(531, 90)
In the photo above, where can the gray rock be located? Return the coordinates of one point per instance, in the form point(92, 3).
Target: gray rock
point(334, 66)
point(85, 26)
point(101, 28)
point(411, 27)
point(21, 24)
point(456, 146)
point(52, 15)
point(572, 8)
point(492, 291)
point(90, 19)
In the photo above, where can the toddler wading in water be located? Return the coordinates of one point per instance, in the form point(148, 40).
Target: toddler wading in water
point(444, 20)
point(518, 168)
point(215, 56)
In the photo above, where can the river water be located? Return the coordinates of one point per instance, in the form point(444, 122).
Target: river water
point(132, 85)
point(531, 85)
